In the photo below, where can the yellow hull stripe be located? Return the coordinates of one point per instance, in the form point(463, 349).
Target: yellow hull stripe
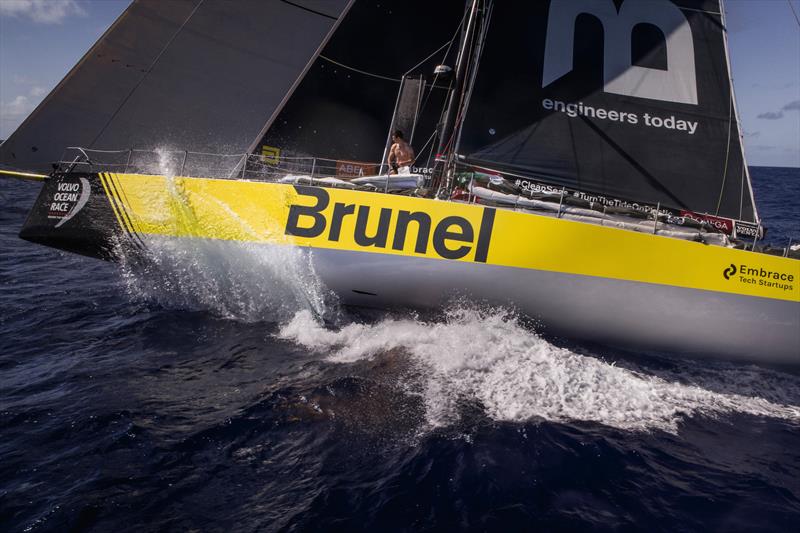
point(259, 212)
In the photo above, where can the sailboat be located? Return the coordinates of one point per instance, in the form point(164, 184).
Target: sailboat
point(585, 163)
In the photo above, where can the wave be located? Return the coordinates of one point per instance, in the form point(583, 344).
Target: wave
point(489, 357)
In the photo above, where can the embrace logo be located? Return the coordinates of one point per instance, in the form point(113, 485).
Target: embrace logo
point(730, 271)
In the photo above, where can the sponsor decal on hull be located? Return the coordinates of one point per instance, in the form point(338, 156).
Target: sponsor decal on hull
point(450, 237)
point(368, 222)
point(760, 276)
point(68, 199)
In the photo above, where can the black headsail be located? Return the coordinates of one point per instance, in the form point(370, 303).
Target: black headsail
point(343, 108)
point(630, 99)
point(197, 75)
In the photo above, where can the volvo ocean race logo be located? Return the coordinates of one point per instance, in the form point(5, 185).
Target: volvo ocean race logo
point(68, 200)
point(678, 83)
point(730, 271)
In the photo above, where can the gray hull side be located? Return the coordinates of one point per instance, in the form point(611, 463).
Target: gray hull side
point(616, 312)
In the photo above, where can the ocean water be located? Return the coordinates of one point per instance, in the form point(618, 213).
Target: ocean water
point(202, 392)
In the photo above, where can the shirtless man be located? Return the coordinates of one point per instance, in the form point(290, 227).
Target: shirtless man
point(401, 155)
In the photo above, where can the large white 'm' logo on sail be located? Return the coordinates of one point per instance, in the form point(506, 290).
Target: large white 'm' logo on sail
point(676, 84)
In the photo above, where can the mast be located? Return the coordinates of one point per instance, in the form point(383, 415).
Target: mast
point(445, 151)
point(483, 27)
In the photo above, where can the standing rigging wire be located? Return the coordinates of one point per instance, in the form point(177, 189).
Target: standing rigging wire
point(730, 120)
point(796, 17)
point(456, 94)
point(381, 76)
point(480, 42)
point(447, 44)
point(473, 52)
point(429, 87)
point(733, 118)
point(436, 130)
point(424, 146)
point(433, 86)
point(467, 74)
point(364, 72)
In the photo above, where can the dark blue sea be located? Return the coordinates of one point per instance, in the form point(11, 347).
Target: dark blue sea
point(206, 396)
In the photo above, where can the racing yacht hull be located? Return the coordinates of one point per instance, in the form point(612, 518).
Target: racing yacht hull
point(577, 280)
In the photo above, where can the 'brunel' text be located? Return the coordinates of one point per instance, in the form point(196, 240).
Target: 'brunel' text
point(453, 237)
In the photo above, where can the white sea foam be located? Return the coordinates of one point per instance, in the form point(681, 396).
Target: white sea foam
point(247, 282)
point(238, 280)
point(490, 358)
point(166, 165)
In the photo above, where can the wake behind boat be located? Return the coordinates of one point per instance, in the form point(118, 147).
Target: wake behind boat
point(618, 212)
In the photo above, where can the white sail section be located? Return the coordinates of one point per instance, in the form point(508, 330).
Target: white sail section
point(197, 75)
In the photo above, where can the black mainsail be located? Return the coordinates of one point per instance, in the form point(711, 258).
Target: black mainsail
point(629, 99)
point(196, 75)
